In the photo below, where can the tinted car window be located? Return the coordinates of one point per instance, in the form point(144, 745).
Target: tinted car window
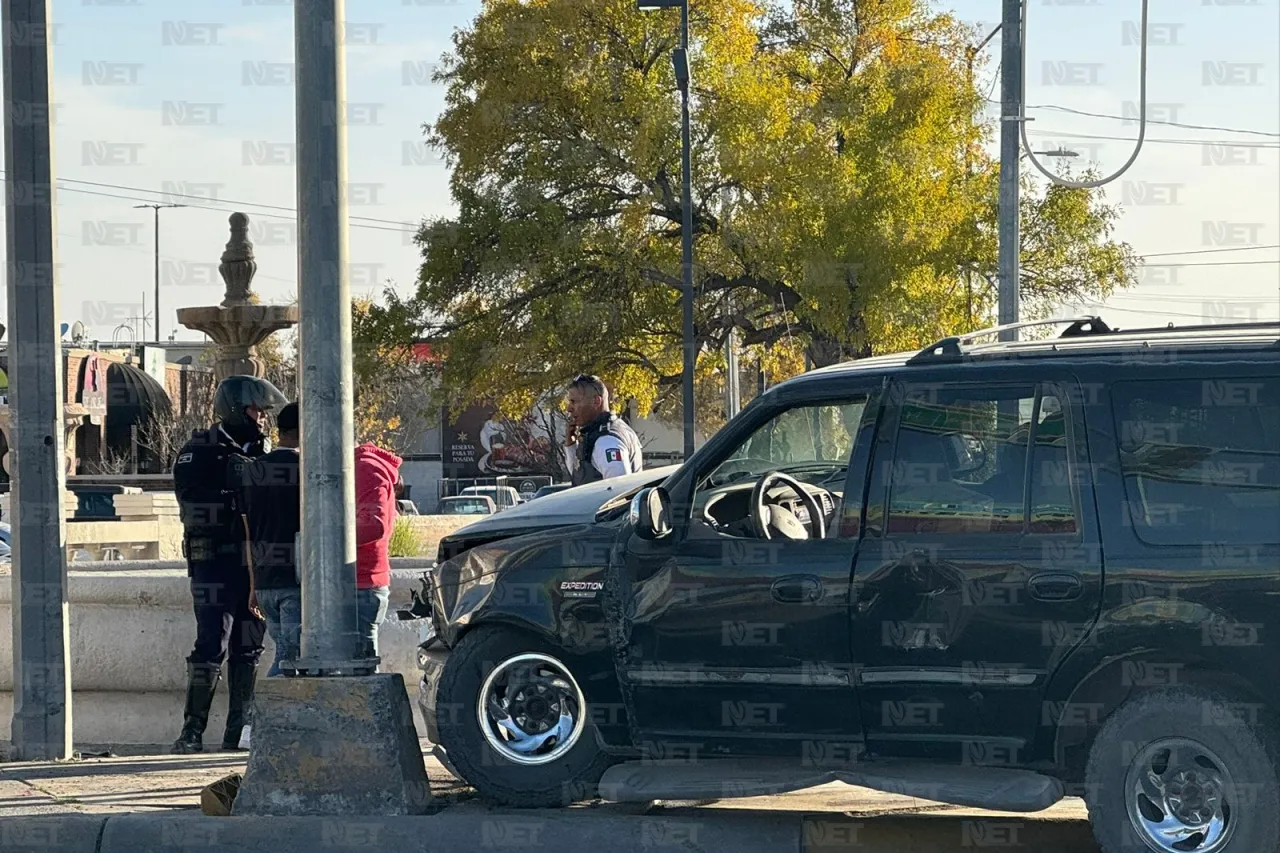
point(1053, 508)
point(1201, 459)
point(960, 461)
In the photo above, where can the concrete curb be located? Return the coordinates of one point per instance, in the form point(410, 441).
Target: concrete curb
point(571, 830)
point(52, 834)
point(685, 830)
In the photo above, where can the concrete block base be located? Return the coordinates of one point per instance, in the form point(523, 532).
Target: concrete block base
point(333, 746)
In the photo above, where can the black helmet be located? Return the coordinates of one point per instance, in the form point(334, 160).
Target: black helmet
point(236, 394)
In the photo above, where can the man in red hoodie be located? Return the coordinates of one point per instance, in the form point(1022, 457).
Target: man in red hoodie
point(377, 474)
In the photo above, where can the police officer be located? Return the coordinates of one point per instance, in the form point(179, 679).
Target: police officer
point(599, 445)
point(207, 478)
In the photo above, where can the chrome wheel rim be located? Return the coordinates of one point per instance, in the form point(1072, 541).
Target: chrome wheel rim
point(1180, 797)
point(531, 710)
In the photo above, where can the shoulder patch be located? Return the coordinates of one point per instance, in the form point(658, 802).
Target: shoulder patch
point(612, 454)
point(183, 459)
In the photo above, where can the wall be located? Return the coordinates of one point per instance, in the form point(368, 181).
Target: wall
point(131, 629)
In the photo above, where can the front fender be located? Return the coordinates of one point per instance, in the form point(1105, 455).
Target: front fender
point(550, 582)
point(550, 585)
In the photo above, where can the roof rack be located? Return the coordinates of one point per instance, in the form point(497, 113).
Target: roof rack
point(949, 348)
point(1203, 327)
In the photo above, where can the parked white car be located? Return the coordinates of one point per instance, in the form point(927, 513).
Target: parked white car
point(504, 497)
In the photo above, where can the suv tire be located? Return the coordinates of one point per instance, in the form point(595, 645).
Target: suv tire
point(1198, 744)
point(486, 659)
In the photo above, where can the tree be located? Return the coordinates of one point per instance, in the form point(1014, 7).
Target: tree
point(842, 197)
point(392, 405)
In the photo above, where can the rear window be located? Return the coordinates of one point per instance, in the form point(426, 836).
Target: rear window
point(1201, 459)
point(457, 507)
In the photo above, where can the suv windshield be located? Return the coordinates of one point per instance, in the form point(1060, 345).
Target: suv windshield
point(812, 442)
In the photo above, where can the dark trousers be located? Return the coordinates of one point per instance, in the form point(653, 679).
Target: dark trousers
point(224, 626)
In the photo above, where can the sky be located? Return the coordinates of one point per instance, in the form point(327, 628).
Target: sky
point(191, 102)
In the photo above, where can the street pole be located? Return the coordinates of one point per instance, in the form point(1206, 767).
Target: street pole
point(1010, 112)
point(156, 208)
point(329, 641)
point(41, 728)
point(690, 348)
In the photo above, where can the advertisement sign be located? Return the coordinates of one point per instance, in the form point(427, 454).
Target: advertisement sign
point(480, 444)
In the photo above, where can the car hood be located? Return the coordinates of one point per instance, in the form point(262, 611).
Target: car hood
point(572, 506)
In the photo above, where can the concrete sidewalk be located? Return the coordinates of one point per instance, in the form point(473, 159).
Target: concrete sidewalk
point(150, 802)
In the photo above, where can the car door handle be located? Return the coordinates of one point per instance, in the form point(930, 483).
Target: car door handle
point(797, 589)
point(1055, 586)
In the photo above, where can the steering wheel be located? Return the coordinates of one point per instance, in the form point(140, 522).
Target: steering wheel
point(763, 515)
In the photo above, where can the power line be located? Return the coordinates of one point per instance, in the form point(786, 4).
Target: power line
point(1101, 309)
point(1263, 145)
point(1208, 251)
point(1153, 121)
point(1183, 125)
point(217, 207)
point(1214, 264)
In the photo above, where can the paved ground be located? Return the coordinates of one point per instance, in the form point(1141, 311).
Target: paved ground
point(835, 816)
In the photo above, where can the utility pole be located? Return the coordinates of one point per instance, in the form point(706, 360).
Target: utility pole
point(972, 55)
point(680, 61)
point(732, 390)
point(156, 208)
point(1010, 115)
point(41, 633)
point(330, 641)
point(690, 345)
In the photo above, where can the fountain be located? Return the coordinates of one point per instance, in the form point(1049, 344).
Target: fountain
point(240, 323)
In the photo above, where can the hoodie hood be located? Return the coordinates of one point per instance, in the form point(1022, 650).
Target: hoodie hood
point(384, 459)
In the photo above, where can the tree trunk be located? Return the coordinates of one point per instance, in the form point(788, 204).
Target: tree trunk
point(825, 350)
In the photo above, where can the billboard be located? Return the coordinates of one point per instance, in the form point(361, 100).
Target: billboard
point(481, 444)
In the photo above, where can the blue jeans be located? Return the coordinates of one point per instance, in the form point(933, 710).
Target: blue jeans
point(283, 611)
point(371, 609)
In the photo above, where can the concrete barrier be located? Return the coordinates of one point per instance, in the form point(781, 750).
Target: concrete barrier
point(131, 630)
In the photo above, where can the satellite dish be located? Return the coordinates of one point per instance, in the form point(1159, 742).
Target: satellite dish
point(77, 331)
point(62, 332)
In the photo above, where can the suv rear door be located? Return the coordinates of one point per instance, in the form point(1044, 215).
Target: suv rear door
point(981, 568)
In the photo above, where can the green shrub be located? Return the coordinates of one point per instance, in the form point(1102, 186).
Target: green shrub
point(405, 539)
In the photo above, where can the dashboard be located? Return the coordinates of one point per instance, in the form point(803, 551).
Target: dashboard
point(728, 508)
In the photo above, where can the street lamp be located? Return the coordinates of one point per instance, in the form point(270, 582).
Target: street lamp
point(680, 59)
point(156, 208)
point(1056, 152)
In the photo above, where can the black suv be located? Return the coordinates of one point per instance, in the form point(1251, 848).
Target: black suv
point(985, 574)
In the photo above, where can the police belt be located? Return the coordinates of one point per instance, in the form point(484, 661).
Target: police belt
point(201, 549)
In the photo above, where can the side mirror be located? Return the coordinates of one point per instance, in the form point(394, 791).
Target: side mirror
point(651, 513)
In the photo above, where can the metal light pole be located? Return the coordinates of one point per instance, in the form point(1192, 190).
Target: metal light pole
point(680, 58)
point(1010, 110)
point(41, 632)
point(330, 639)
point(156, 208)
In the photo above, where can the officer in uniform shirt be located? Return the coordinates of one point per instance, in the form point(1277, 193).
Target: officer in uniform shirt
point(208, 476)
point(599, 445)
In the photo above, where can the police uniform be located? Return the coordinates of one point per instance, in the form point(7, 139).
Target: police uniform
point(607, 447)
point(208, 476)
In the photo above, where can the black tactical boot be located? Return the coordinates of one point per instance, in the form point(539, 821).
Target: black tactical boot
point(202, 683)
point(241, 677)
